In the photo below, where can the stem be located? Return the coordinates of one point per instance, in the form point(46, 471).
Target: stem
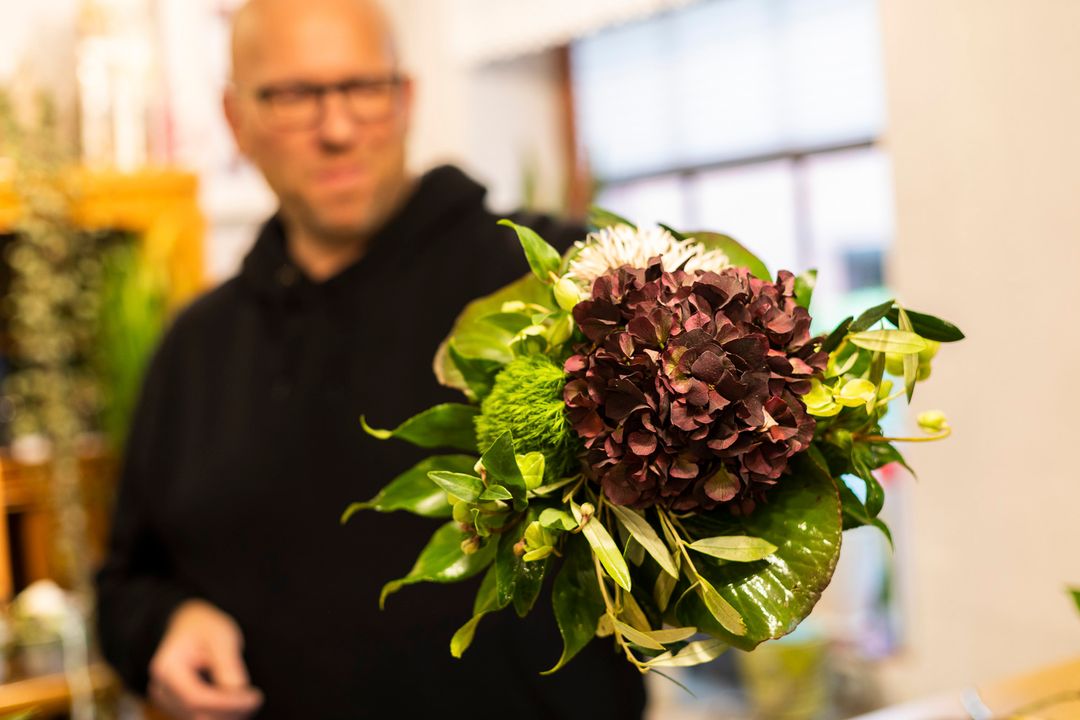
point(946, 432)
point(619, 639)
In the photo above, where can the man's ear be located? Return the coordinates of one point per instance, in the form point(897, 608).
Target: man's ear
point(230, 103)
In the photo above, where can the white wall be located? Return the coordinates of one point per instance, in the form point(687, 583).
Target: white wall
point(983, 119)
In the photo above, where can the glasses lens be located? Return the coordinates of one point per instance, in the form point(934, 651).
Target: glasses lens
point(370, 99)
point(290, 107)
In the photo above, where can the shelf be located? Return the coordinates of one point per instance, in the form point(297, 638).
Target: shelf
point(50, 694)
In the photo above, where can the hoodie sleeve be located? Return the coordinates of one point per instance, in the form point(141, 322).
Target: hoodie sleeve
point(136, 592)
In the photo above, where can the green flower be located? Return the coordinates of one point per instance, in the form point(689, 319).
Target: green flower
point(527, 400)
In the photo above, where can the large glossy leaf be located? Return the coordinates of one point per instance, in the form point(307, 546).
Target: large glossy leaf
point(737, 254)
point(576, 599)
point(414, 491)
point(474, 337)
point(448, 425)
point(443, 561)
point(802, 519)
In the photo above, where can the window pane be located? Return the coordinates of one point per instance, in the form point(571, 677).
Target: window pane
point(850, 225)
point(656, 200)
point(755, 205)
point(725, 79)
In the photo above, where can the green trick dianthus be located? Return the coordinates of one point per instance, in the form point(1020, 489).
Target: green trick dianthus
point(527, 400)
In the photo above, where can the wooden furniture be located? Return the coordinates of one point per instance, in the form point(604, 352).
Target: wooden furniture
point(49, 695)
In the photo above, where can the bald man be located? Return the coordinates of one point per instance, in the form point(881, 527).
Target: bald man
point(230, 589)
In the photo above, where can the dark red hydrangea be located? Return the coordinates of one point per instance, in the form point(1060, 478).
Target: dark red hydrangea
point(688, 393)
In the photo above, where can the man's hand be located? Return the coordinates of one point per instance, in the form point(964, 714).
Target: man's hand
point(197, 672)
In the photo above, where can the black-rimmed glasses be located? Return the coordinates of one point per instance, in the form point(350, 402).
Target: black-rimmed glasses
point(300, 105)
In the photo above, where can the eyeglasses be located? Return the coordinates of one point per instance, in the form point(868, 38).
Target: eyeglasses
point(301, 105)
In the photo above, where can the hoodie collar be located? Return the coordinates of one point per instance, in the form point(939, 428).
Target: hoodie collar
point(438, 197)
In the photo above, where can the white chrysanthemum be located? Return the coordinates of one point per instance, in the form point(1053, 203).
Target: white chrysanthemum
point(618, 245)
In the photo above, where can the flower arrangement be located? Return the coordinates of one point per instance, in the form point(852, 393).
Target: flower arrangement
point(650, 420)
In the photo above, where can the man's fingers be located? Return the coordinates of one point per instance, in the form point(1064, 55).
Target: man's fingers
point(227, 666)
point(185, 687)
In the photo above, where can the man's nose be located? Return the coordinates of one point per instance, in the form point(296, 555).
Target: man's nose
point(337, 127)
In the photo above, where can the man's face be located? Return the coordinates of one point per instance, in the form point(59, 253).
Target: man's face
point(335, 158)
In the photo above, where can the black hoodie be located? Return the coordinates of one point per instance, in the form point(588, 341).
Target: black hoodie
point(246, 448)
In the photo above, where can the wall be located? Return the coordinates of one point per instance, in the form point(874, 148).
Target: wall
point(983, 112)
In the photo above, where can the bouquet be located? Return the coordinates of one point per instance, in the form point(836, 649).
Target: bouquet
point(650, 420)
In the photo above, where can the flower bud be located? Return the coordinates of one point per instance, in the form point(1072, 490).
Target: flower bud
point(470, 545)
point(462, 512)
point(567, 294)
point(587, 511)
point(932, 421)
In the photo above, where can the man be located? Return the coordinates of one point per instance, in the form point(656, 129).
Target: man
point(230, 589)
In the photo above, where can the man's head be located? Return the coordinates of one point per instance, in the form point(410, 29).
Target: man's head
point(317, 102)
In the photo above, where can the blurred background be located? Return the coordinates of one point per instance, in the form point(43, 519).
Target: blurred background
point(916, 149)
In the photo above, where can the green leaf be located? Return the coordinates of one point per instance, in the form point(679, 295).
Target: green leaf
point(477, 334)
point(928, 326)
point(804, 287)
point(881, 454)
point(662, 590)
point(576, 600)
point(447, 425)
point(636, 636)
point(696, 653)
point(836, 336)
point(478, 373)
point(889, 341)
point(502, 469)
point(518, 581)
point(646, 536)
point(443, 561)
point(720, 609)
point(736, 253)
point(673, 635)
point(772, 595)
point(543, 259)
point(678, 235)
point(511, 322)
point(736, 548)
point(495, 492)
point(460, 485)
point(877, 372)
point(531, 466)
point(605, 548)
point(556, 519)
point(1075, 592)
point(911, 362)
point(414, 491)
point(485, 602)
point(598, 218)
point(872, 316)
point(855, 513)
point(875, 494)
